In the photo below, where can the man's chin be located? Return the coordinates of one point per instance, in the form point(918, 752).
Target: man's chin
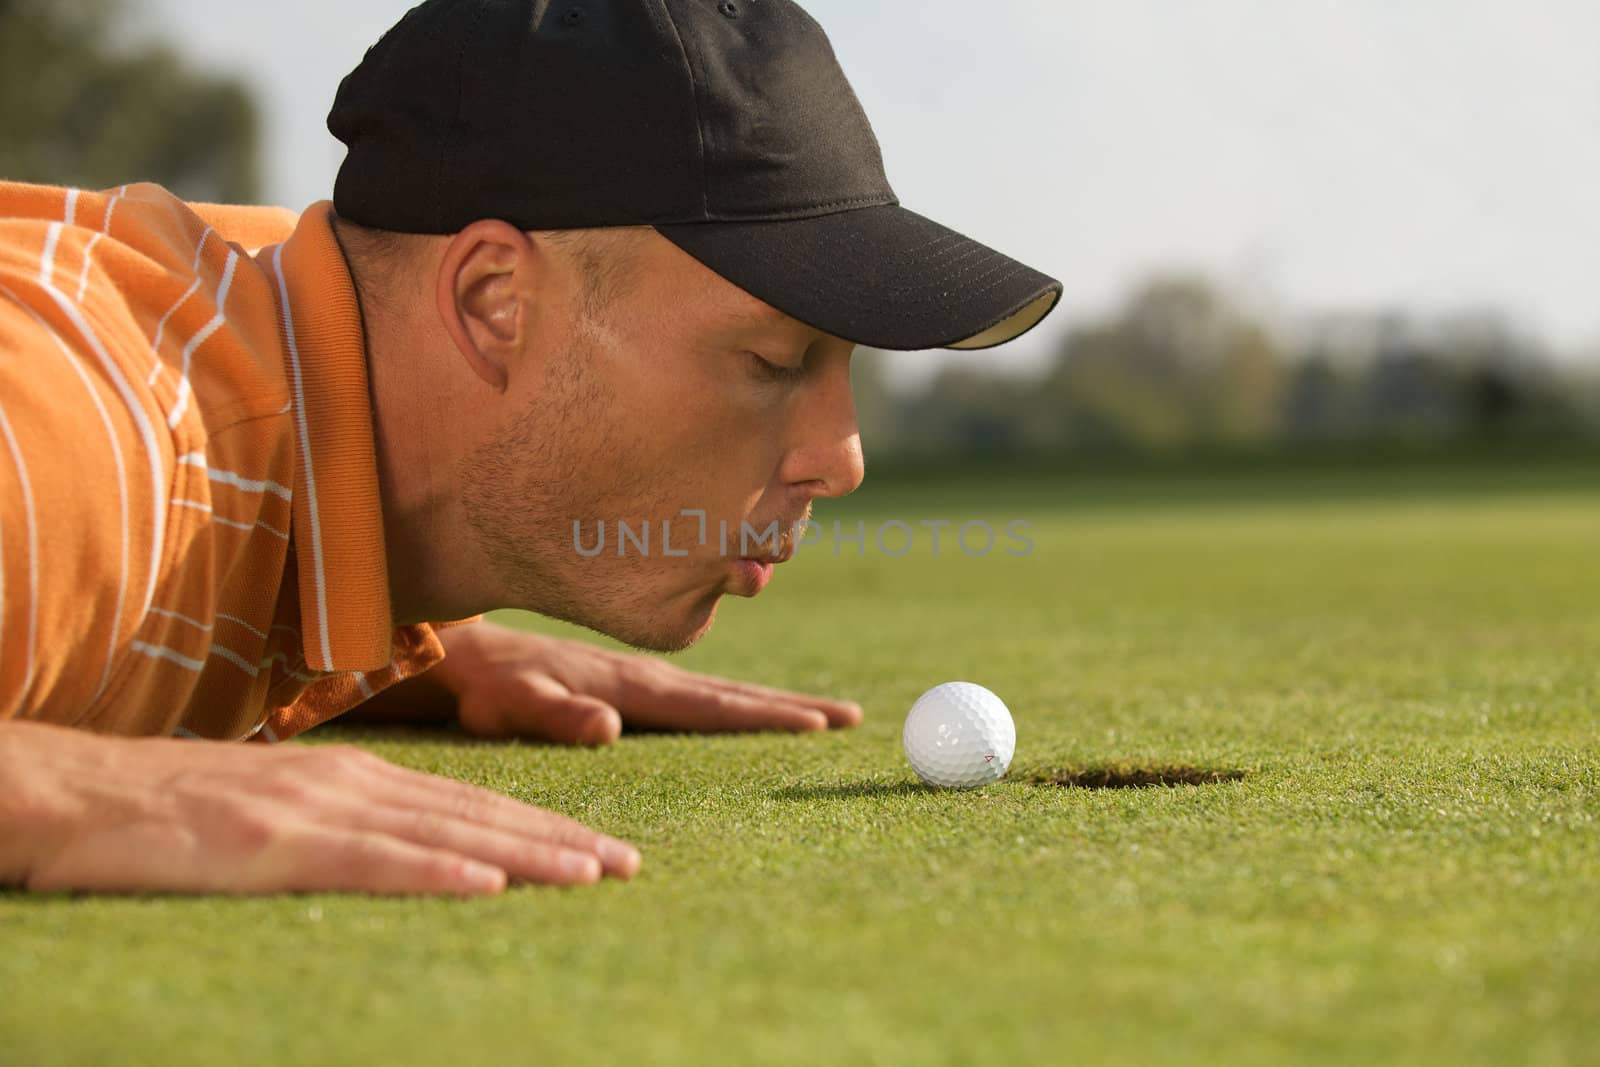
point(665, 635)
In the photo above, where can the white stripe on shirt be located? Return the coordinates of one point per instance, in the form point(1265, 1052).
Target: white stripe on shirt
point(273, 530)
point(165, 614)
point(105, 228)
point(221, 521)
point(318, 575)
point(237, 660)
point(88, 260)
point(161, 652)
point(203, 627)
point(218, 321)
point(238, 481)
point(47, 264)
point(190, 664)
point(161, 327)
point(241, 622)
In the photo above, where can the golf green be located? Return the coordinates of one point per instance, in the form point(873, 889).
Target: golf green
point(1386, 684)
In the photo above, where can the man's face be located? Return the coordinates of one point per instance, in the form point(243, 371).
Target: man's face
point(678, 393)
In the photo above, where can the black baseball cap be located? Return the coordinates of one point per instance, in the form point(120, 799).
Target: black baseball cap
point(725, 124)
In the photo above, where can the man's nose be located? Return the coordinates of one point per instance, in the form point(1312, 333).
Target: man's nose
point(826, 461)
point(845, 467)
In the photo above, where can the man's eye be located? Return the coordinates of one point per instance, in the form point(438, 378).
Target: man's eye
point(776, 372)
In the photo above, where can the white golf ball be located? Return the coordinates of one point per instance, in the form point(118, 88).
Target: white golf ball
point(959, 736)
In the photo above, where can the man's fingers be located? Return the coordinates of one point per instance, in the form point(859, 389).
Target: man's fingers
point(264, 858)
point(557, 714)
point(839, 713)
point(677, 699)
point(524, 859)
point(320, 858)
point(407, 790)
point(688, 704)
point(544, 710)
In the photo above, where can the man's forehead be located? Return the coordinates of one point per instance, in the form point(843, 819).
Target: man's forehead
point(730, 303)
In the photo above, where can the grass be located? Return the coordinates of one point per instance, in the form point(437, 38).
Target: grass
point(1389, 697)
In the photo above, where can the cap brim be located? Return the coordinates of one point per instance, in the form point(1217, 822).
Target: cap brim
point(884, 277)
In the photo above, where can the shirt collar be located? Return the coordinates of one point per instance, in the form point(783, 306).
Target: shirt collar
point(346, 620)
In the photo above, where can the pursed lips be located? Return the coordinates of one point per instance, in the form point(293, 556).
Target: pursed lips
point(786, 542)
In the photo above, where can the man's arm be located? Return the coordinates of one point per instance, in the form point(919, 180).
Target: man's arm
point(84, 812)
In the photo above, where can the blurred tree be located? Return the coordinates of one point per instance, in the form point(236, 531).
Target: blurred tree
point(1410, 392)
point(1584, 383)
point(1324, 402)
point(877, 414)
point(970, 412)
point(1392, 377)
point(77, 109)
point(1179, 365)
point(1506, 383)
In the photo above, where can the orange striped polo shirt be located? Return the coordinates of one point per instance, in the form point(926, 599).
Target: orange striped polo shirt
point(189, 514)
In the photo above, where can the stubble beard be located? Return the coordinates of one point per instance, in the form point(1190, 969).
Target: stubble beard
point(543, 469)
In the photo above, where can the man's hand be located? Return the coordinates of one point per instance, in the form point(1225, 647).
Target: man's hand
point(79, 811)
point(505, 683)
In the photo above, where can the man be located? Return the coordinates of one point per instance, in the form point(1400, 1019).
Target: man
point(585, 263)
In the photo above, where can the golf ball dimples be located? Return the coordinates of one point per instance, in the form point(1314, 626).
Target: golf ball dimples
point(959, 736)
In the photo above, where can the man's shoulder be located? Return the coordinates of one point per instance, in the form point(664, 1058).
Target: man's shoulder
point(140, 209)
point(251, 228)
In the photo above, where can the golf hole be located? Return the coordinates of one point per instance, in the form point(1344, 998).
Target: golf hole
point(1133, 776)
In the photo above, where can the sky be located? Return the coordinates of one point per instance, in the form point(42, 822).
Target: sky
point(1316, 156)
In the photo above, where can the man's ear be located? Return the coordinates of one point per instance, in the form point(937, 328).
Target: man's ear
point(481, 292)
